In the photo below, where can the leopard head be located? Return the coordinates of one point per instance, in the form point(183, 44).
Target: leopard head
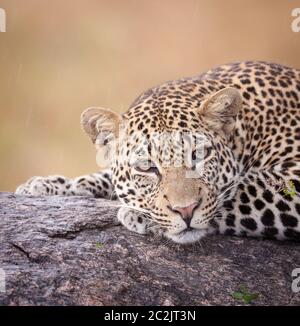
point(171, 155)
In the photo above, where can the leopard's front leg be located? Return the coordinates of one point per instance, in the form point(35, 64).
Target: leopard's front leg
point(97, 185)
point(45, 186)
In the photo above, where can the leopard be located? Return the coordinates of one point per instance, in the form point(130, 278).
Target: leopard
point(217, 153)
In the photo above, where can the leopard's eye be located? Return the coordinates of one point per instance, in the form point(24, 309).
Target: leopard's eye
point(207, 152)
point(146, 167)
point(201, 154)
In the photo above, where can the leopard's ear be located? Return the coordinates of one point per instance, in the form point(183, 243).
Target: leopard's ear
point(101, 125)
point(220, 110)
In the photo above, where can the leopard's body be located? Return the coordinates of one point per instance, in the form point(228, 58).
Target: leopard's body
point(248, 179)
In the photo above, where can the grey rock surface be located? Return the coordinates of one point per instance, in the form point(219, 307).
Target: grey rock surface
point(71, 251)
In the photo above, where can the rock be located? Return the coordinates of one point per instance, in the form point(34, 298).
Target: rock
point(71, 251)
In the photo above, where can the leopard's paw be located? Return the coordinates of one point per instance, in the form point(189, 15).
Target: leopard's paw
point(133, 220)
point(44, 186)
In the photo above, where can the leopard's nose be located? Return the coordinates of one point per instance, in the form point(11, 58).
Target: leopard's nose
point(186, 212)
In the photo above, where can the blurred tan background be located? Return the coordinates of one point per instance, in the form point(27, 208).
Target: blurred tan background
point(59, 57)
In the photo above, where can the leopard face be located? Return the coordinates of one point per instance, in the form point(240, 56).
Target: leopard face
point(171, 156)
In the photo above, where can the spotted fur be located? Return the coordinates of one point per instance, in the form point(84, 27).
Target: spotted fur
point(248, 114)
